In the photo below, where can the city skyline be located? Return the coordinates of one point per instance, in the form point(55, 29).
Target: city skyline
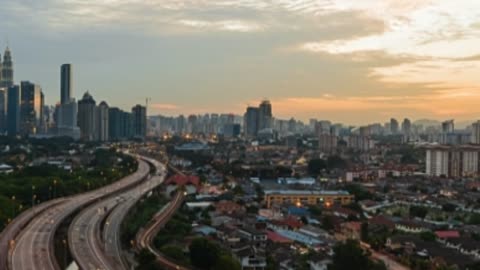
point(349, 62)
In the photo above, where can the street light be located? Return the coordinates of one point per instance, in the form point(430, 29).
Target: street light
point(55, 188)
point(13, 206)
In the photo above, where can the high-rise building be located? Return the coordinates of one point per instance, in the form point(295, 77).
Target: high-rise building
point(13, 110)
point(448, 126)
point(67, 110)
point(1, 71)
point(30, 108)
point(475, 133)
point(139, 114)
point(65, 83)
point(87, 117)
point(114, 118)
point(3, 110)
point(102, 122)
point(407, 126)
point(265, 115)
point(394, 126)
point(452, 161)
point(251, 121)
point(7, 69)
point(66, 120)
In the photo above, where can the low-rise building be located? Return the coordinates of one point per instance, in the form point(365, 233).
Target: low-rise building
point(307, 197)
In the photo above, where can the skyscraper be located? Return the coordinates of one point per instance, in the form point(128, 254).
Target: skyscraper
point(139, 121)
point(265, 116)
point(65, 83)
point(30, 108)
point(102, 122)
point(1, 71)
point(448, 126)
point(394, 126)
point(86, 117)
point(407, 126)
point(3, 110)
point(13, 110)
point(251, 121)
point(475, 139)
point(7, 69)
point(67, 111)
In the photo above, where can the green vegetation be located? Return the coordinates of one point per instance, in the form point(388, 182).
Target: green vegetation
point(146, 261)
point(350, 255)
point(140, 215)
point(208, 255)
point(175, 230)
point(316, 166)
point(418, 211)
point(32, 185)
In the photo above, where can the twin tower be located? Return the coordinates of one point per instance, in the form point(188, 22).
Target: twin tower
point(6, 69)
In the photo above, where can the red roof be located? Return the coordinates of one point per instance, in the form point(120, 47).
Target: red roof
point(182, 180)
point(277, 238)
point(293, 222)
point(447, 234)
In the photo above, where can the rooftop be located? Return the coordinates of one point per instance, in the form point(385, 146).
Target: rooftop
point(306, 192)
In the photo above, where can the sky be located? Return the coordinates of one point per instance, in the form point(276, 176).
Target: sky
point(350, 61)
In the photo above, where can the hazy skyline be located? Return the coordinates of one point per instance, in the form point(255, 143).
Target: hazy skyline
point(346, 60)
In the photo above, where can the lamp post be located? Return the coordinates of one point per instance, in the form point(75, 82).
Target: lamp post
point(13, 206)
point(55, 188)
point(33, 196)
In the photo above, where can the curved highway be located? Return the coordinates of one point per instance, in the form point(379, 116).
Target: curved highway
point(146, 236)
point(34, 247)
point(94, 235)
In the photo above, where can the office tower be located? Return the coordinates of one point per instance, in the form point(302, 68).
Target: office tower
point(394, 126)
point(66, 120)
point(407, 126)
point(251, 121)
point(475, 138)
point(67, 110)
point(102, 122)
point(448, 126)
point(86, 117)
point(13, 110)
point(139, 121)
point(7, 69)
point(1, 71)
point(265, 116)
point(3, 110)
point(114, 129)
point(65, 83)
point(30, 108)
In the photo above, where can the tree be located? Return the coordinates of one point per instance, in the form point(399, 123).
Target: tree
point(315, 166)
point(227, 262)
point(327, 223)
point(349, 255)
point(418, 211)
point(449, 207)
point(146, 260)
point(428, 236)
point(336, 162)
point(203, 253)
point(364, 232)
point(474, 219)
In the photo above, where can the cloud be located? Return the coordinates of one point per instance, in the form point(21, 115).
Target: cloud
point(437, 105)
point(224, 25)
point(164, 106)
